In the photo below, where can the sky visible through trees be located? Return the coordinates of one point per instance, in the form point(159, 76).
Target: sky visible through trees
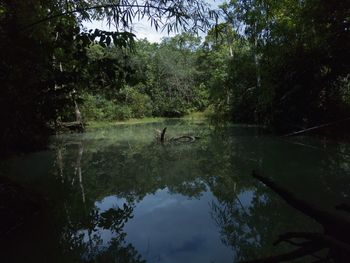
point(143, 29)
point(274, 67)
point(282, 64)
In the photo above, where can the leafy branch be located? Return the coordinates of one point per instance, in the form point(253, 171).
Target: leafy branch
point(122, 13)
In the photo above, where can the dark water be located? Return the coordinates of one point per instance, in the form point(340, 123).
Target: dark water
point(115, 195)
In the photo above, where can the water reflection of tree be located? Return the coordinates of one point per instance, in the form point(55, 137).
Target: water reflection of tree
point(251, 229)
point(129, 171)
point(217, 162)
point(248, 215)
point(79, 222)
point(220, 162)
point(143, 169)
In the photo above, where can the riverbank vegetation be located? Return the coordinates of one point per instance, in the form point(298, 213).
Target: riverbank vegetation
point(280, 64)
point(154, 80)
point(284, 65)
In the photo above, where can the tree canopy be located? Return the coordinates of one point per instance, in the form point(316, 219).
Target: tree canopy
point(43, 54)
point(284, 64)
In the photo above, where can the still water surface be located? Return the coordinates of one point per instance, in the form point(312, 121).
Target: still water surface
point(116, 195)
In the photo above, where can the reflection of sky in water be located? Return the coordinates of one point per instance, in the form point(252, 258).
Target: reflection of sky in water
point(173, 228)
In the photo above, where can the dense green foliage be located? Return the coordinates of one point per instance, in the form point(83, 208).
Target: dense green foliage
point(43, 54)
point(44, 58)
point(292, 65)
point(279, 63)
point(152, 80)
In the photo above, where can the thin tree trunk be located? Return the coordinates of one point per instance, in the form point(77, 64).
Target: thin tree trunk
point(78, 117)
point(256, 59)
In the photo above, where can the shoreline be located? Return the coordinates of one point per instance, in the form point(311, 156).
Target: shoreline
point(91, 125)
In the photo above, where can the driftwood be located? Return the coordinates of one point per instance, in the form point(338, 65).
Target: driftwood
point(73, 125)
point(335, 237)
point(160, 136)
point(184, 138)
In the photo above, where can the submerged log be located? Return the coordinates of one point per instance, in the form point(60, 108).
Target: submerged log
point(160, 136)
point(184, 138)
point(335, 237)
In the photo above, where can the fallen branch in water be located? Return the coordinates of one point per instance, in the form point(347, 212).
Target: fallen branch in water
point(335, 237)
point(184, 138)
point(160, 136)
point(315, 127)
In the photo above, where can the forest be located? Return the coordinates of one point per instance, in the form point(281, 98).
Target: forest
point(283, 64)
point(114, 148)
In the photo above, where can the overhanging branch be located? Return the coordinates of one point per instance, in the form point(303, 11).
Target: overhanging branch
point(176, 11)
point(79, 10)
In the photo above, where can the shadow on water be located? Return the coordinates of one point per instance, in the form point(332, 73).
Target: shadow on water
point(330, 245)
point(116, 195)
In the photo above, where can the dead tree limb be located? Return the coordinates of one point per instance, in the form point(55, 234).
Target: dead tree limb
point(162, 135)
point(336, 236)
point(184, 138)
point(333, 223)
point(315, 127)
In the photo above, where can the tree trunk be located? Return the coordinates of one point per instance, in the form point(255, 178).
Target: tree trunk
point(78, 117)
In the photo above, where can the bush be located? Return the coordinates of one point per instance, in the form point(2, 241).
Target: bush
point(97, 107)
point(140, 104)
point(128, 103)
point(122, 113)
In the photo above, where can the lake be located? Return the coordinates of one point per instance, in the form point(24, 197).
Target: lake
point(117, 195)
